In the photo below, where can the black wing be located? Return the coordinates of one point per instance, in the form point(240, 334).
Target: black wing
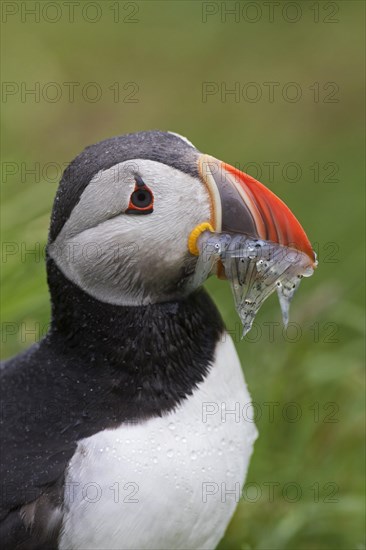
point(50, 401)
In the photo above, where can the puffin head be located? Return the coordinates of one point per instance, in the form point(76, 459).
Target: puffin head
point(129, 210)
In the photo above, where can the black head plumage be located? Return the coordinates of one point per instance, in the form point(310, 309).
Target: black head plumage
point(163, 147)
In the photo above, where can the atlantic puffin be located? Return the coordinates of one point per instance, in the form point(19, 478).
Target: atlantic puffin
point(120, 428)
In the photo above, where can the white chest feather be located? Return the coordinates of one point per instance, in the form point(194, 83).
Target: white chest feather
point(166, 483)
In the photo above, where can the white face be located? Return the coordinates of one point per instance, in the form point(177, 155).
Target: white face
point(130, 259)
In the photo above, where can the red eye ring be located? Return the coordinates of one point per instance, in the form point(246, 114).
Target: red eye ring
point(141, 200)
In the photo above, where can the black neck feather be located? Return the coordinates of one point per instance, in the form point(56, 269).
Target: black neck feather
point(152, 355)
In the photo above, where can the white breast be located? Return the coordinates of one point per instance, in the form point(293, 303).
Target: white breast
point(166, 483)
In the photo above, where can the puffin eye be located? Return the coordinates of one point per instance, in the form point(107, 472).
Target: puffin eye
point(142, 198)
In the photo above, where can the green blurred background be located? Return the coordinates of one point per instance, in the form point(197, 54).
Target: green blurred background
point(168, 51)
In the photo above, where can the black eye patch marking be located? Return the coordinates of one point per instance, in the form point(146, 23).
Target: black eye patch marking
point(142, 198)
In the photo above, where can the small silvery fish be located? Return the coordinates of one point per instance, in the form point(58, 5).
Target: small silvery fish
point(255, 269)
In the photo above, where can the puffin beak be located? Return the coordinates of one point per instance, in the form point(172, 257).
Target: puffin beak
point(241, 204)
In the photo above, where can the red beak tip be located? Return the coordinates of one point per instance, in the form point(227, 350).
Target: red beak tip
point(273, 219)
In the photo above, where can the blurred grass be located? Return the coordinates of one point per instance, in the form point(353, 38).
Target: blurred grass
point(169, 53)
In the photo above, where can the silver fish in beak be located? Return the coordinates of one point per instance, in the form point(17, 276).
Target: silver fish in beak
point(253, 240)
